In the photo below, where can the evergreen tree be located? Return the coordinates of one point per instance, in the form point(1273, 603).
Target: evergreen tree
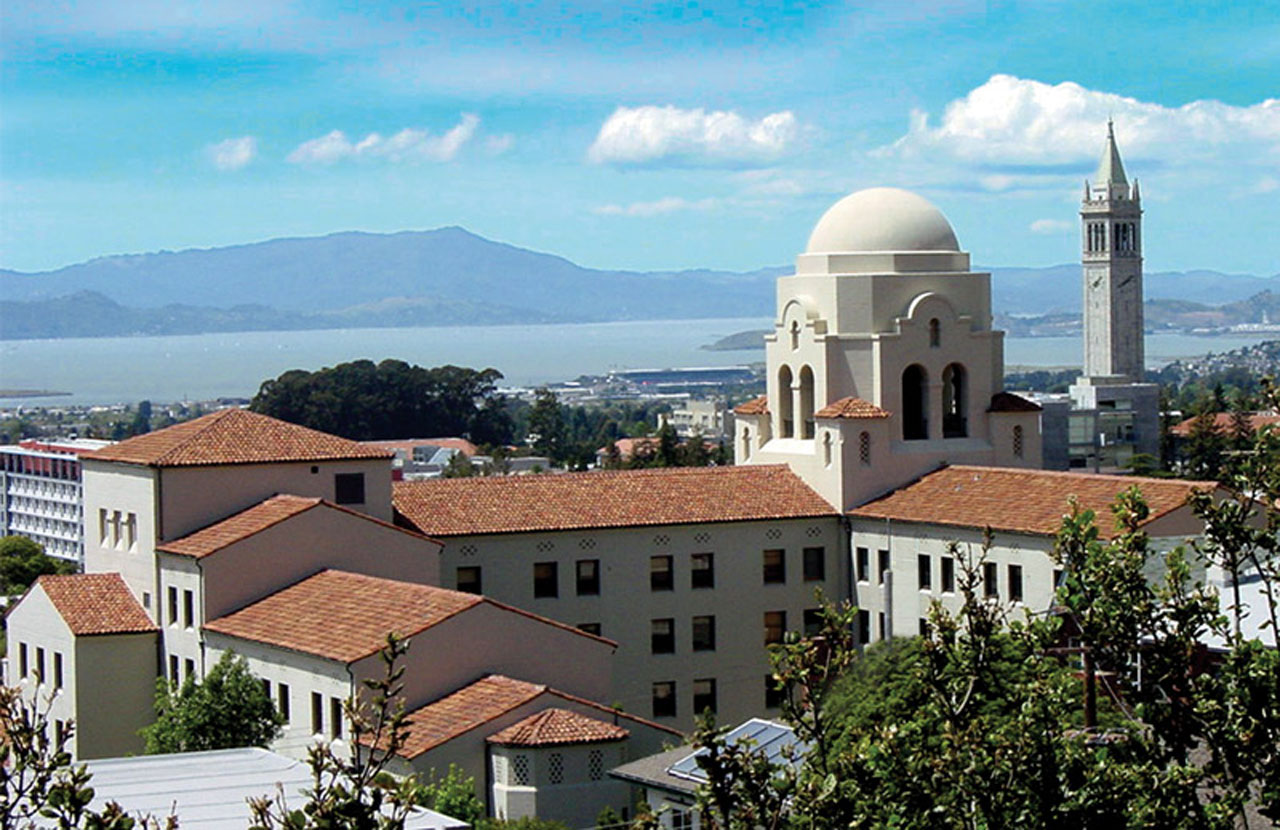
point(547, 425)
point(228, 709)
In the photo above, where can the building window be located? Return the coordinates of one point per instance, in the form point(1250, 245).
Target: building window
point(317, 713)
point(39, 664)
point(335, 718)
point(786, 426)
point(189, 669)
point(935, 333)
point(588, 577)
point(948, 575)
point(546, 582)
point(884, 625)
point(174, 678)
point(469, 579)
point(990, 579)
point(773, 693)
point(57, 670)
point(864, 564)
point(131, 532)
point(590, 628)
point(555, 768)
point(661, 576)
point(595, 765)
point(116, 536)
point(520, 770)
point(188, 609)
point(704, 633)
point(266, 686)
point(664, 699)
point(348, 488)
point(815, 564)
point(882, 556)
point(702, 573)
point(923, 625)
point(915, 397)
point(1017, 441)
point(955, 403)
point(775, 626)
point(746, 443)
point(1058, 576)
point(812, 622)
point(775, 566)
point(864, 627)
point(662, 638)
point(806, 402)
point(704, 695)
point(173, 605)
point(282, 697)
point(24, 668)
point(864, 449)
point(102, 527)
point(1015, 583)
point(924, 565)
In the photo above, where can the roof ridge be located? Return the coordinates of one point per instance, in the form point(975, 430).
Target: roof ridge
point(1090, 475)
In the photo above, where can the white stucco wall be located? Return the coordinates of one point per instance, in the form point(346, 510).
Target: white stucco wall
point(126, 489)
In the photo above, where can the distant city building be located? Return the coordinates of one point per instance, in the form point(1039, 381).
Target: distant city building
point(41, 494)
point(707, 417)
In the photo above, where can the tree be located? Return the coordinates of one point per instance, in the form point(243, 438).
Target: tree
point(459, 466)
point(23, 561)
point(454, 795)
point(142, 419)
point(229, 708)
point(547, 425)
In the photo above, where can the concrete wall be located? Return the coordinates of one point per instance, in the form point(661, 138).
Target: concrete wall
point(626, 604)
point(181, 642)
point(576, 800)
point(124, 489)
point(36, 624)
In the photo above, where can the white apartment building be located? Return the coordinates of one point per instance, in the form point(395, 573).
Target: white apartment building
point(41, 494)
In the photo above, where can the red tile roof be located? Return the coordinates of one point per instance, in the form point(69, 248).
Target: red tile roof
point(1012, 402)
point(1020, 501)
point(98, 603)
point(755, 406)
point(851, 408)
point(406, 445)
point(256, 519)
point(621, 498)
point(487, 699)
point(558, 727)
point(233, 436)
point(1222, 422)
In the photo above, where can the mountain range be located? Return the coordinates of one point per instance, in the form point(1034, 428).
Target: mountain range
point(447, 276)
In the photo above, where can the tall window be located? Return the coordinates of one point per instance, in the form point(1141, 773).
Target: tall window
point(661, 577)
point(935, 333)
point(863, 556)
point(864, 627)
point(282, 698)
point(806, 402)
point(915, 396)
point(948, 575)
point(704, 633)
point(173, 605)
point(954, 402)
point(702, 570)
point(864, 448)
point(990, 579)
point(775, 626)
point(317, 713)
point(588, 577)
point(745, 452)
point(775, 566)
point(704, 695)
point(924, 566)
point(662, 637)
point(189, 609)
point(335, 717)
point(57, 670)
point(882, 556)
point(786, 426)
point(815, 564)
point(1017, 441)
point(664, 699)
point(827, 447)
point(1015, 583)
point(812, 622)
point(546, 582)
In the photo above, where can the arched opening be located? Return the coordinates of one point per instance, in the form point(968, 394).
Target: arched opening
point(795, 335)
point(806, 402)
point(935, 333)
point(786, 427)
point(1017, 441)
point(955, 407)
point(915, 395)
point(826, 449)
point(746, 443)
point(864, 449)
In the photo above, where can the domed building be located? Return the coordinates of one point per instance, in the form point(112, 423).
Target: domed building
point(883, 364)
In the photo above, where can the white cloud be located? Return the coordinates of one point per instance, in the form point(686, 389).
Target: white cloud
point(1052, 226)
point(410, 144)
point(233, 153)
point(1017, 122)
point(668, 204)
point(639, 135)
point(496, 145)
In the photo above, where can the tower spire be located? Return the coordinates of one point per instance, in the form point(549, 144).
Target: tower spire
point(1110, 170)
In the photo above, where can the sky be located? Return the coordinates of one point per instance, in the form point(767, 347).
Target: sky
point(630, 134)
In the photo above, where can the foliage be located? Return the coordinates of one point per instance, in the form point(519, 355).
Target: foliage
point(526, 823)
point(546, 428)
point(23, 560)
point(459, 466)
point(392, 399)
point(229, 708)
point(454, 795)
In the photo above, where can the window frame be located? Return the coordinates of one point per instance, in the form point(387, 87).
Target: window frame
point(662, 642)
point(588, 586)
point(777, 632)
point(662, 579)
point(346, 486)
point(702, 577)
point(818, 573)
point(470, 586)
point(774, 573)
point(707, 624)
point(546, 585)
point(664, 699)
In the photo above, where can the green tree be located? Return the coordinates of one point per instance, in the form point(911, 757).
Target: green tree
point(229, 708)
point(141, 419)
point(547, 425)
point(23, 561)
point(454, 795)
point(459, 466)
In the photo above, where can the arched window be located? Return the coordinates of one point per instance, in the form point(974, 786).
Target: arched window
point(786, 427)
point(864, 449)
point(826, 448)
point(935, 333)
point(795, 334)
point(915, 395)
point(1017, 441)
point(746, 443)
point(955, 407)
point(806, 402)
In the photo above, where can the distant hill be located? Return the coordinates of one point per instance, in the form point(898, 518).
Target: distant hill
point(447, 276)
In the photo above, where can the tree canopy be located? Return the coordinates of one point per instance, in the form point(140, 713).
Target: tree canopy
point(23, 560)
point(228, 709)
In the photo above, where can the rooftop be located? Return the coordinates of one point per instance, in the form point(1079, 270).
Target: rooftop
point(622, 498)
point(851, 408)
point(234, 436)
point(755, 406)
point(882, 219)
point(99, 603)
point(1020, 501)
point(1223, 423)
point(558, 727)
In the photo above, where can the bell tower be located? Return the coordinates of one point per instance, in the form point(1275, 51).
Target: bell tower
point(1111, 215)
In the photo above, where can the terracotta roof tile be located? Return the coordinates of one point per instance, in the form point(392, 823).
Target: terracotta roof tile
point(622, 498)
point(851, 408)
point(1020, 501)
point(233, 436)
point(406, 445)
point(342, 616)
point(97, 603)
point(1222, 423)
point(1012, 402)
point(755, 406)
point(557, 727)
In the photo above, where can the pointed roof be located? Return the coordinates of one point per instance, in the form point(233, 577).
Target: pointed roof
point(234, 436)
point(1110, 170)
point(558, 727)
point(98, 603)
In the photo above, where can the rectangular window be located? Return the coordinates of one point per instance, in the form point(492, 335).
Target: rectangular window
point(704, 695)
point(775, 626)
point(546, 581)
point(924, 627)
point(39, 664)
point(266, 687)
point(924, 565)
point(60, 732)
point(131, 531)
point(775, 566)
point(702, 573)
point(1058, 576)
point(335, 717)
point(990, 579)
point(664, 699)
point(864, 565)
point(662, 639)
point(348, 488)
point(282, 697)
point(189, 609)
point(317, 713)
point(173, 605)
point(469, 579)
point(661, 577)
point(864, 627)
point(704, 633)
point(812, 622)
point(815, 564)
point(590, 628)
point(1015, 583)
point(588, 577)
point(883, 561)
point(773, 693)
point(174, 678)
point(884, 625)
point(24, 667)
point(102, 526)
point(948, 575)
point(189, 668)
point(116, 535)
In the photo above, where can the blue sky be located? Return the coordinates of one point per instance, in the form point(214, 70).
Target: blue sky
point(629, 134)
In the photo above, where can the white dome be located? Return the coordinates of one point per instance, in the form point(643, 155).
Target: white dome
point(882, 219)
